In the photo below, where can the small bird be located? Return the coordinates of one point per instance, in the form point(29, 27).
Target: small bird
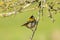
point(30, 23)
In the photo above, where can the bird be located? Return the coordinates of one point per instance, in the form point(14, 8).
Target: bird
point(30, 23)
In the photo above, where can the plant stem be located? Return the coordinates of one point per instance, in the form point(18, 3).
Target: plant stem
point(38, 19)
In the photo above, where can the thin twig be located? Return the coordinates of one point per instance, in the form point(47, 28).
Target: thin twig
point(38, 18)
point(51, 16)
point(33, 33)
point(14, 12)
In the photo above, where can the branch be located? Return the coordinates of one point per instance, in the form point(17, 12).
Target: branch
point(51, 16)
point(14, 12)
point(38, 18)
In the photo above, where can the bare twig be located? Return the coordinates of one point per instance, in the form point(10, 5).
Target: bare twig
point(38, 18)
point(51, 16)
point(14, 12)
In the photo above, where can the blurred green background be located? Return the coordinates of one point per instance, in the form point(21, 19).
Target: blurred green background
point(11, 29)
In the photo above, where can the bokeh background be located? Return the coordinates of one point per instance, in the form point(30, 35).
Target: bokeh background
point(11, 29)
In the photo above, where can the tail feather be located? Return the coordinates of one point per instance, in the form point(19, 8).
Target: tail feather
point(25, 24)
